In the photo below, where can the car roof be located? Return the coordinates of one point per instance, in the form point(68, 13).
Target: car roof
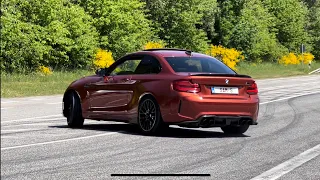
point(170, 52)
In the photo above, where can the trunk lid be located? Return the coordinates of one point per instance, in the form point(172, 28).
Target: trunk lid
point(232, 86)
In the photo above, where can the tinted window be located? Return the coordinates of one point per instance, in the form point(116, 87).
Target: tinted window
point(198, 64)
point(127, 67)
point(148, 65)
point(137, 65)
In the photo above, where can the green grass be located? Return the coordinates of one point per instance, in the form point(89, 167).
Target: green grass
point(273, 70)
point(20, 85)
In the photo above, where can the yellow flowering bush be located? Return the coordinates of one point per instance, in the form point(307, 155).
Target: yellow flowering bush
point(292, 58)
point(154, 45)
point(103, 59)
point(228, 56)
point(44, 70)
point(306, 58)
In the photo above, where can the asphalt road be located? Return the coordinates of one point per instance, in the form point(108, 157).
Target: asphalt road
point(36, 143)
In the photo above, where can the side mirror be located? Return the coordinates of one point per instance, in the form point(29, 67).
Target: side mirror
point(101, 72)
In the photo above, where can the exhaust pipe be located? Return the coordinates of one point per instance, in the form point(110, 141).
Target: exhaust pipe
point(205, 122)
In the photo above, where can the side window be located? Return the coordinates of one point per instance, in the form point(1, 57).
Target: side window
point(127, 67)
point(137, 65)
point(148, 65)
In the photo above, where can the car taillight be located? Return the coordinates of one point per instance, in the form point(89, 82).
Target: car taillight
point(252, 89)
point(186, 86)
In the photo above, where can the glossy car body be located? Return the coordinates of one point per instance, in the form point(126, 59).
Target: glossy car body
point(116, 97)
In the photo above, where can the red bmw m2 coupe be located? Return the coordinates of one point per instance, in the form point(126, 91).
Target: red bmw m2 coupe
point(156, 88)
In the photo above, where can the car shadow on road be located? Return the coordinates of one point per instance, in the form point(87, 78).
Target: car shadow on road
point(171, 132)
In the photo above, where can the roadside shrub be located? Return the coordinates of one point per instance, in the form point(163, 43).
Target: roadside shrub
point(44, 70)
point(154, 45)
point(228, 56)
point(306, 58)
point(122, 25)
point(103, 59)
point(292, 58)
point(56, 33)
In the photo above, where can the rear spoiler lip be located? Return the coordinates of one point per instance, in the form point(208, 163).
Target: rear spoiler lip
point(218, 74)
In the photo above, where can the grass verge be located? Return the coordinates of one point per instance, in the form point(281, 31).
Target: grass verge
point(274, 70)
point(21, 85)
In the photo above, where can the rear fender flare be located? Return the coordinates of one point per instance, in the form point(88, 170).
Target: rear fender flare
point(145, 95)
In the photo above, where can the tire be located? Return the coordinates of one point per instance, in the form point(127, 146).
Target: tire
point(74, 115)
point(235, 129)
point(149, 117)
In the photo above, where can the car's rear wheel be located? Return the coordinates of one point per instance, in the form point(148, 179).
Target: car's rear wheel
point(149, 116)
point(74, 116)
point(235, 129)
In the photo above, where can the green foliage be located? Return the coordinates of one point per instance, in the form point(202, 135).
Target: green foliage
point(67, 33)
point(254, 33)
point(54, 33)
point(291, 20)
point(314, 29)
point(122, 24)
point(183, 23)
point(311, 3)
point(230, 11)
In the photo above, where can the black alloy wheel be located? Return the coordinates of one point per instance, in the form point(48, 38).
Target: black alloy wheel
point(149, 117)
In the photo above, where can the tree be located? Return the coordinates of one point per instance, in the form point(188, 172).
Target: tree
point(311, 3)
point(254, 33)
point(183, 23)
point(249, 27)
point(228, 17)
point(291, 20)
point(122, 24)
point(314, 29)
point(45, 32)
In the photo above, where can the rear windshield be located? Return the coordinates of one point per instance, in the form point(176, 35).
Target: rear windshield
point(198, 64)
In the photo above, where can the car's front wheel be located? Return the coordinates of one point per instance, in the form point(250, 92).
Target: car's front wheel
point(235, 129)
point(149, 117)
point(74, 114)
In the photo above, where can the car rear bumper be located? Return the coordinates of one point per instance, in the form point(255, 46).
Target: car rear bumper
point(193, 109)
point(206, 121)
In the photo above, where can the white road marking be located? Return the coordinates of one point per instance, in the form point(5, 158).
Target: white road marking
point(34, 122)
point(289, 165)
point(286, 86)
point(17, 130)
point(289, 78)
point(289, 97)
point(54, 103)
point(4, 102)
point(31, 124)
point(32, 118)
point(58, 141)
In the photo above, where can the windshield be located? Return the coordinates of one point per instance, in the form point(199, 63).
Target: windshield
point(198, 64)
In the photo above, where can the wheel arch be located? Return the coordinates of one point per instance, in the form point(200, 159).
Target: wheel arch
point(149, 95)
point(146, 95)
